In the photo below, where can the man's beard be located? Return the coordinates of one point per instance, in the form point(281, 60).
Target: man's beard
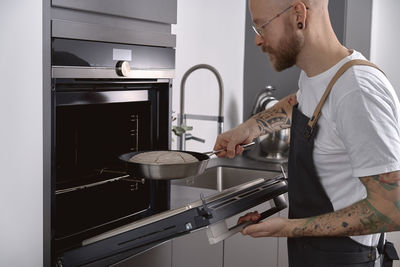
point(286, 54)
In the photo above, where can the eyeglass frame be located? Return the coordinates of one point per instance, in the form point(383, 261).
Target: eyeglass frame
point(258, 30)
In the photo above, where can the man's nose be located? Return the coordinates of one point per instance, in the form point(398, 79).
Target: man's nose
point(258, 40)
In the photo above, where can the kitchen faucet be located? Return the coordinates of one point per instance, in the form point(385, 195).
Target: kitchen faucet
point(181, 129)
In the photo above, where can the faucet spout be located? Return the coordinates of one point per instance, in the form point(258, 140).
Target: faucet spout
point(182, 119)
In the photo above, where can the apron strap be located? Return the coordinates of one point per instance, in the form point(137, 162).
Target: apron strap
point(317, 112)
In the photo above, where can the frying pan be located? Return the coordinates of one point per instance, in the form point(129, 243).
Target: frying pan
point(169, 171)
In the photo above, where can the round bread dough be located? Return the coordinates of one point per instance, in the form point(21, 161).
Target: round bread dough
point(163, 157)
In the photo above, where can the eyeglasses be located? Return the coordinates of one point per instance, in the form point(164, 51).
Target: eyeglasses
point(259, 30)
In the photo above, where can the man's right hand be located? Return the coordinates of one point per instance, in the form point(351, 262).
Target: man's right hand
point(274, 119)
point(232, 139)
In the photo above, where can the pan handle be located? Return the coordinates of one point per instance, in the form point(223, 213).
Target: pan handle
point(210, 153)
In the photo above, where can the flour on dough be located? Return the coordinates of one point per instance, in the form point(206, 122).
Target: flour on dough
point(163, 157)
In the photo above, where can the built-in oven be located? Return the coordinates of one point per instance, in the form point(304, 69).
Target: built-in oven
point(100, 113)
point(109, 99)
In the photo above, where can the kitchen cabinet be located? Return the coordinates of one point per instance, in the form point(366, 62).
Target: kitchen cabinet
point(194, 250)
point(247, 251)
point(151, 10)
point(141, 22)
point(159, 256)
point(242, 250)
point(236, 251)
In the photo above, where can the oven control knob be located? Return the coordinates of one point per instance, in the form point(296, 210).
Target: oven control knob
point(123, 68)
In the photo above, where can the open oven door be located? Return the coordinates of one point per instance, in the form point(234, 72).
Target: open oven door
point(207, 212)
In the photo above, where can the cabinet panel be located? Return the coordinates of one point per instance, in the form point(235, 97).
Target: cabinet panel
point(194, 250)
point(96, 32)
point(153, 10)
point(247, 251)
point(159, 256)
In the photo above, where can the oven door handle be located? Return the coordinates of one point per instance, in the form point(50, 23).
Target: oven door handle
point(219, 231)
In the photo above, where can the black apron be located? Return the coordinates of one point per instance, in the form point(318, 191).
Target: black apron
point(308, 198)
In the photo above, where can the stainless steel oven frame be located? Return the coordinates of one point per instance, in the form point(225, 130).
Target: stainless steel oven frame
point(75, 86)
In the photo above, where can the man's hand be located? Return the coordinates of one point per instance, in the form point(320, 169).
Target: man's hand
point(274, 119)
point(270, 227)
point(231, 140)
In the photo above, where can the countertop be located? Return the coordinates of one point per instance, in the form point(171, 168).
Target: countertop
point(244, 161)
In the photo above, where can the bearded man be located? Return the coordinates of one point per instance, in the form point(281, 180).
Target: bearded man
point(344, 158)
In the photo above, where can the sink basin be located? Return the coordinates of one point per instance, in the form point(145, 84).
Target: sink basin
point(221, 178)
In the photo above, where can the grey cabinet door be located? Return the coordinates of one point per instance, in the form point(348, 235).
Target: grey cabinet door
point(159, 256)
point(163, 11)
point(194, 250)
point(242, 250)
point(103, 33)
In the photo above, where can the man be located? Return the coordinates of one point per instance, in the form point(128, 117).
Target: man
point(345, 149)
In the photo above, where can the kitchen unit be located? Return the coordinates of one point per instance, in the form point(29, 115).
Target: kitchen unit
point(99, 110)
point(111, 94)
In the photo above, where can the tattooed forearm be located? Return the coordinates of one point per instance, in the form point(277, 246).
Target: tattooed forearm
point(277, 117)
point(379, 212)
point(359, 219)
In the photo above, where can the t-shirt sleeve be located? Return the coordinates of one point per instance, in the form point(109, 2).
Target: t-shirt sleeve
point(367, 123)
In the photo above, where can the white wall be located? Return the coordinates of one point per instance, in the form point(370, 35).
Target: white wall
point(358, 26)
point(210, 32)
point(385, 39)
point(21, 234)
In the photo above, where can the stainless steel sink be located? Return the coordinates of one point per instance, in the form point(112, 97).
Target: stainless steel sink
point(221, 178)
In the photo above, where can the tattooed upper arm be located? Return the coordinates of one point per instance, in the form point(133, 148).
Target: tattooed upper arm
point(277, 117)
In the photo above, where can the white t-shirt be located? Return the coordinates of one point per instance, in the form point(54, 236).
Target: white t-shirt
point(358, 131)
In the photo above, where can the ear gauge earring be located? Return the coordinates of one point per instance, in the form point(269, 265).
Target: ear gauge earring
point(300, 25)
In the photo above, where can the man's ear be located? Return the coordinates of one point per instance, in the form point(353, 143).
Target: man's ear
point(300, 10)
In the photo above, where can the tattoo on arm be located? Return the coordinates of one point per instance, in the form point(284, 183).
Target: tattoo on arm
point(397, 204)
point(277, 117)
point(387, 186)
point(379, 212)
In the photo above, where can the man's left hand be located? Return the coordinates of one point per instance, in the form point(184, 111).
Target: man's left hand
point(275, 226)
